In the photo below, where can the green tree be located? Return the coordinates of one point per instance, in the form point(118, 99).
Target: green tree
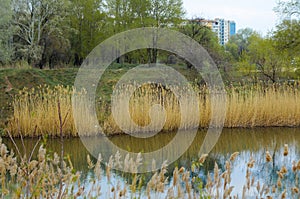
point(200, 33)
point(124, 15)
point(204, 36)
point(287, 33)
point(239, 42)
point(128, 14)
point(269, 61)
point(287, 36)
point(88, 27)
point(164, 13)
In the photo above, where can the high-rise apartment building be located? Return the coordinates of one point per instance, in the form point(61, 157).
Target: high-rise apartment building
point(223, 28)
point(232, 28)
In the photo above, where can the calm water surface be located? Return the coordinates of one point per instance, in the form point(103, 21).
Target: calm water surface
point(249, 142)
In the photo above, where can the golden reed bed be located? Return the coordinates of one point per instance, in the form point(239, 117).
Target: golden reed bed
point(36, 110)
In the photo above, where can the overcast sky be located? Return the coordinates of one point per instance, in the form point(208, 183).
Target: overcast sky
point(255, 14)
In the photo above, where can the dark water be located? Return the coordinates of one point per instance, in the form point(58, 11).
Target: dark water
point(249, 142)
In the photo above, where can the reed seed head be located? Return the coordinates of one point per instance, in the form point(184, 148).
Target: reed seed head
point(283, 195)
point(251, 164)
point(295, 190)
point(233, 156)
point(298, 165)
point(279, 184)
point(181, 170)
point(294, 167)
point(283, 170)
point(280, 175)
point(286, 150)
point(268, 157)
point(203, 158)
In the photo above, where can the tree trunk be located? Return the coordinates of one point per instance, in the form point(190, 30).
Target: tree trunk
point(152, 55)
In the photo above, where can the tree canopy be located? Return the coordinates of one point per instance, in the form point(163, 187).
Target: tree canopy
point(55, 33)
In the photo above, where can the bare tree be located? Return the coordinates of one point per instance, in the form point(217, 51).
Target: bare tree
point(35, 20)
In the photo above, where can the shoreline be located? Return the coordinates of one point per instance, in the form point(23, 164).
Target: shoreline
point(161, 132)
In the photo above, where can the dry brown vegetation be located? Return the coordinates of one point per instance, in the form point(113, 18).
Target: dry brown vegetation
point(35, 111)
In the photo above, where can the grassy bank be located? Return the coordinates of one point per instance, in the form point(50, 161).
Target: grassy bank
point(13, 80)
point(36, 110)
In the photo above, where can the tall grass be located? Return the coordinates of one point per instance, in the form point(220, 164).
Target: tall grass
point(154, 107)
point(263, 106)
point(36, 110)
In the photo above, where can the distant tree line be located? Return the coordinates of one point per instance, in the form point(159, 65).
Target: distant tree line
point(58, 33)
point(272, 57)
point(54, 32)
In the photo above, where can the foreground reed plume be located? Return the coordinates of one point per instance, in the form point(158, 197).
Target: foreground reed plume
point(268, 157)
point(25, 177)
point(286, 150)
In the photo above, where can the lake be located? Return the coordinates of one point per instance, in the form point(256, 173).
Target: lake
point(249, 142)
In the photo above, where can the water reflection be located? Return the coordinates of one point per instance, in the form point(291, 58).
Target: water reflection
point(249, 142)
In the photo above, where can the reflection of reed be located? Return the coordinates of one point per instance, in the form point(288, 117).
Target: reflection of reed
point(231, 140)
point(77, 154)
point(227, 170)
